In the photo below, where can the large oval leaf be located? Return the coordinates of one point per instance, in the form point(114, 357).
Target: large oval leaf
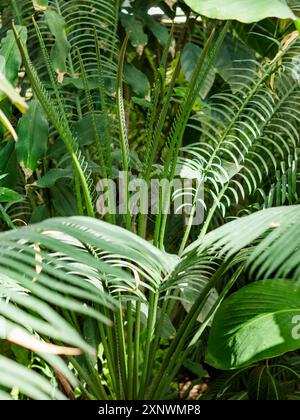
point(260, 321)
point(243, 10)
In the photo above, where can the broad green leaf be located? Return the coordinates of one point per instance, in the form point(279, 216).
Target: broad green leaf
point(61, 48)
point(260, 321)
point(137, 80)
point(195, 368)
point(78, 82)
point(33, 136)
point(11, 54)
point(83, 129)
point(40, 5)
point(243, 10)
point(189, 60)
point(7, 89)
point(52, 176)
point(8, 195)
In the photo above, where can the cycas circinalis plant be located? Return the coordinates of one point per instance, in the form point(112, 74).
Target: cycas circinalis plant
point(112, 270)
point(107, 293)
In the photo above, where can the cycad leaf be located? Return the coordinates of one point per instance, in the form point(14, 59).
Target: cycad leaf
point(258, 322)
point(40, 5)
point(7, 195)
point(277, 235)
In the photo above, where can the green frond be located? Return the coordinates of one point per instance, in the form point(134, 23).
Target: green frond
point(273, 234)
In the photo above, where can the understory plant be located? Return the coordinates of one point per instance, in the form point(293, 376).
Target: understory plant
point(114, 305)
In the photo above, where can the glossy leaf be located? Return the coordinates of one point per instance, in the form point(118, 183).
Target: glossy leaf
point(243, 10)
point(158, 30)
